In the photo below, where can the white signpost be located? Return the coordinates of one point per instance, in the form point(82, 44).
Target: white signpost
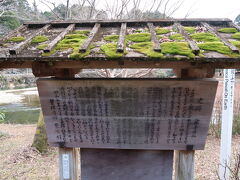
point(227, 120)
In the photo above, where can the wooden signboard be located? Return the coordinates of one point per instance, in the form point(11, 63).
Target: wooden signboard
point(127, 113)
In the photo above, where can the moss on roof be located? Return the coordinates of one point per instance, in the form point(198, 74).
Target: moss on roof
point(110, 50)
point(176, 37)
point(139, 37)
point(190, 29)
point(236, 43)
point(41, 46)
point(236, 35)
point(227, 30)
point(147, 49)
point(85, 32)
point(204, 37)
point(16, 39)
point(112, 38)
point(162, 30)
point(215, 46)
point(177, 48)
point(39, 39)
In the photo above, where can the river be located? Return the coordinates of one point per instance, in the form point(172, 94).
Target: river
point(20, 106)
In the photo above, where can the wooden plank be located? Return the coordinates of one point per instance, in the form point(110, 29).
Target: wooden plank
point(154, 37)
point(184, 165)
point(19, 47)
point(127, 114)
point(121, 40)
point(51, 45)
point(68, 163)
point(231, 24)
point(12, 33)
point(223, 39)
point(192, 44)
point(88, 41)
point(126, 164)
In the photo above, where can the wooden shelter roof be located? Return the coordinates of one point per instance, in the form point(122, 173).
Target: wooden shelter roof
point(123, 44)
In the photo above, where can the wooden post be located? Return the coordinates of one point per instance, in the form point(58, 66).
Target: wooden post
point(184, 160)
point(184, 165)
point(68, 163)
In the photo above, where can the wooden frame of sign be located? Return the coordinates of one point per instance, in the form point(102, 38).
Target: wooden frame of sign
point(184, 159)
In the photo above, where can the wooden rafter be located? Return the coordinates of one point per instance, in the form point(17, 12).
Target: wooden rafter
point(19, 47)
point(223, 39)
point(154, 38)
point(231, 24)
point(121, 40)
point(192, 44)
point(88, 41)
point(53, 43)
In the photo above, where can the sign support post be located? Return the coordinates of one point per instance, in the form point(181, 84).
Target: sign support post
point(227, 120)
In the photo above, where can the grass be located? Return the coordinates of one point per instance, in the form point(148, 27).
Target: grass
point(139, 37)
point(16, 39)
point(236, 35)
point(110, 50)
point(176, 37)
point(227, 30)
point(190, 29)
point(204, 37)
point(146, 48)
point(39, 39)
point(112, 38)
point(216, 46)
point(162, 30)
point(177, 48)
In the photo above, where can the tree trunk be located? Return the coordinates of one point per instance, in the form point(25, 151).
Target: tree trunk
point(40, 138)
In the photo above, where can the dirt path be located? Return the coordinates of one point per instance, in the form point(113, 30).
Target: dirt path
point(20, 161)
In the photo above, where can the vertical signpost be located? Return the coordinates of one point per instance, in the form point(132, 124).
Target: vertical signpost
point(227, 120)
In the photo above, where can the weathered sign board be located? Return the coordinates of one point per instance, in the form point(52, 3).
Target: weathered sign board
point(127, 113)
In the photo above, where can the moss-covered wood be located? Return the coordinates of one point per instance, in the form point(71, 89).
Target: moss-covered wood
point(204, 37)
point(147, 49)
point(16, 39)
point(110, 50)
point(40, 138)
point(227, 30)
point(39, 39)
point(139, 37)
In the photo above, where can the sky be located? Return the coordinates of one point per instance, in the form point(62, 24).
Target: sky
point(198, 8)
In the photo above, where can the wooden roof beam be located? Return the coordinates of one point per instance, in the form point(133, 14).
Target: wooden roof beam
point(234, 25)
point(192, 44)
point(121, 40)
point(223, 39)
point(21, 28)
point(88, 41)
point(53, 43)
point(154, 38)
point(19, 47)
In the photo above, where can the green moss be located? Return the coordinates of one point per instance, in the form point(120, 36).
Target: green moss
point(205, 37)
point(215, 46)
point(112, 38)
point(177, 48)
point(190, 29)
point(146, 48)
point(139, 37)
point(162, 30)
point(110, 50)
point(85, 32)
point(42, 46)
point(236, 35)
point(227, 30)
point(39, 39)
point(176, 36)
point(49, 53)
point(16, 39)
point(75, 36)
point(236, 43)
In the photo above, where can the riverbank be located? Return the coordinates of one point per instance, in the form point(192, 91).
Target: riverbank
point(20, 161)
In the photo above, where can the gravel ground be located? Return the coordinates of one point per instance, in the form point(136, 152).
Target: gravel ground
point(22, 162)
